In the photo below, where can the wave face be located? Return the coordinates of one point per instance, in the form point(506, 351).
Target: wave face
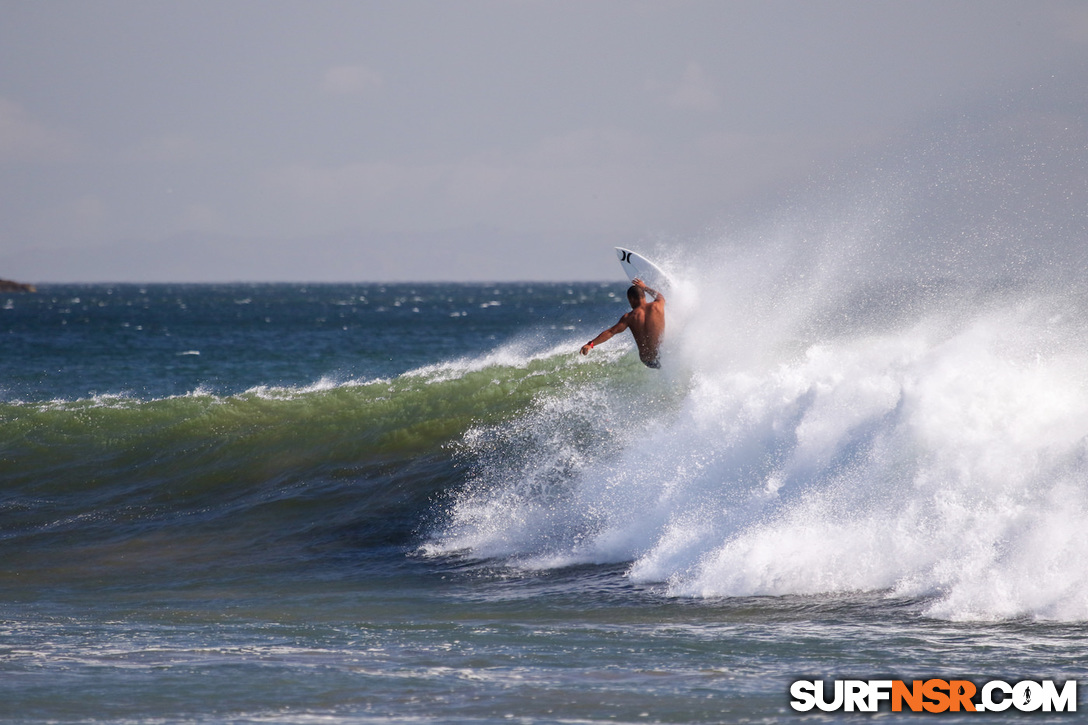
point(109, 480)
point(831, 418)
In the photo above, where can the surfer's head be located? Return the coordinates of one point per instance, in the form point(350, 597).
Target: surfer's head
point(635, 296)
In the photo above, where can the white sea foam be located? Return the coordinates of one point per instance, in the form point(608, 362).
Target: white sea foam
point(816, 435)
point(323, 384)
point(518, 354)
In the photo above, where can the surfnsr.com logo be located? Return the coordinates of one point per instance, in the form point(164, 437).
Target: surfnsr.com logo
point(933, 695)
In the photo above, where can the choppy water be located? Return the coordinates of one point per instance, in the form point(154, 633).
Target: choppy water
point(362, 503)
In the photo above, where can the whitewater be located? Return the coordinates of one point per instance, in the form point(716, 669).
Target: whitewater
point(927, 447)
point(878, 389)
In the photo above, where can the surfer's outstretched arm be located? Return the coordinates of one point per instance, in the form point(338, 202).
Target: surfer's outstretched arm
point(606, 335)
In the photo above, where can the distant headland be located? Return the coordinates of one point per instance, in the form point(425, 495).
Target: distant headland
point(6, 285)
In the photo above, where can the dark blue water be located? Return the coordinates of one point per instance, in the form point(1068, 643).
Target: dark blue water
point(159, 340)
point(362, 503)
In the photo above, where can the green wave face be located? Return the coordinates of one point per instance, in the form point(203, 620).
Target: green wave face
point(366, 458)
point(410, 415)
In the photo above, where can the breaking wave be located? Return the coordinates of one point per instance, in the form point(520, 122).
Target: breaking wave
point(843, 409)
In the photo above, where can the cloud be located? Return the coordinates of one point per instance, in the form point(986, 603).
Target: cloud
point(769, 159)
point(596, 181)
point(356, 183)
point(588, 146)
point(76, 220)
point(351, 80)
point(591, 178)
point(1072, 23)
point(201, 217)
point(24, 139)
point(696, 90)
point(88, 210)
point(166, 148)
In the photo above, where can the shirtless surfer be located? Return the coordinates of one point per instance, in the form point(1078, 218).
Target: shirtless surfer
point(646, 320)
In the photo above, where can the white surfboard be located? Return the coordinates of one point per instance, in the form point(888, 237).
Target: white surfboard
point(635, 266)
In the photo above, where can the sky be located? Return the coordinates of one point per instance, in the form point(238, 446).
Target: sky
point(270, 140)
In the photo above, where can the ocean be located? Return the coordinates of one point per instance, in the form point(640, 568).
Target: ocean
point(364, 503)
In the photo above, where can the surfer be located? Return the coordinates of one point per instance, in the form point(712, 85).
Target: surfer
point(646, 321)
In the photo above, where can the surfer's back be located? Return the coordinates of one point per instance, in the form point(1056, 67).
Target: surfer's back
point(647, 325)
point(646, 321)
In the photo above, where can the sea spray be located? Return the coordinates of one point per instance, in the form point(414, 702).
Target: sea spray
point(818, 430)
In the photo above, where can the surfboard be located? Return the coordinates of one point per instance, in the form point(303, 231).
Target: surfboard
point(635, 266)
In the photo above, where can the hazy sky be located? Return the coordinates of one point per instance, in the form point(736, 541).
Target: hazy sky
point(207, 140)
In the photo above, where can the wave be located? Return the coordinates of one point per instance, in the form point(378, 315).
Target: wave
point(416, 411)
point(114, 483)
point(814, 432)
point(811, 432)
